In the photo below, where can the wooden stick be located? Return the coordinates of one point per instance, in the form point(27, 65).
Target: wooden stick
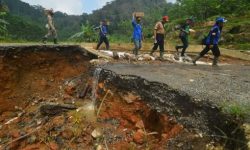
point(98, 112)
point(21, 137)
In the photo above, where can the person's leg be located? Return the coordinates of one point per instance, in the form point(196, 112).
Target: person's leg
point(106, 41)
point(179, 47)
point(216, 53)
point(202, 53)
point(137, 45)
point(185, 46)
point(54, 33)
point(45, 38)
point(99, 43)
point(161, 44)
point(155, 47)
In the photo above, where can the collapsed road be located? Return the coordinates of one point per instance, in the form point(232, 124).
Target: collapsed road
point(192, 96)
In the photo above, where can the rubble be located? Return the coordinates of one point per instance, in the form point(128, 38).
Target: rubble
point(52, 109)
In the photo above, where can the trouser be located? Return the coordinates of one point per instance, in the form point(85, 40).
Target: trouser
point(159, 43)
point(216, 52)
point(101, 40)
point(51, 32)
point(138, 46)
point(215, 49)
point(184, 46)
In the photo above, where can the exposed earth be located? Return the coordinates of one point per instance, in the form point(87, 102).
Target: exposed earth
point(52, 97)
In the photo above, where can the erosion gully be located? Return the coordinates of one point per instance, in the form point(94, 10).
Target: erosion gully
point(53, 98)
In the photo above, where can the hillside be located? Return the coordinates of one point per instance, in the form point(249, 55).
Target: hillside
point(28, 22)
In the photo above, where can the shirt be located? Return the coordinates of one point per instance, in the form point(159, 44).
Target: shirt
point(214, 39)
point(185, 31)
point(103, 30)
point(159, 27)
point(137, 33)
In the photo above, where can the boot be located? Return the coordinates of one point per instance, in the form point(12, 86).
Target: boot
point(161, 56)
point(152, 52)
point(215, 61)
point(55, 41)
point(197, 58)
point(44, 40)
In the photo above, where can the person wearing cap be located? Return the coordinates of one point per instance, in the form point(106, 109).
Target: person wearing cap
point(50, 26)
point(103, 35)
point(184, 32)
point(212, 41)
point(137, 34)
point(159, 34)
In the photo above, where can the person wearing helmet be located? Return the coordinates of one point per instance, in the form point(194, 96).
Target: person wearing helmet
point(103, 34)
point(50, 26)
point(159, 34)
point(137, 34)
point(212, 41)
point(184, 32)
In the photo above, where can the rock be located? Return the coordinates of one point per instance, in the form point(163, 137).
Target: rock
point(97, 62)
point(67, 134)
point(70, 87)
point(32, 139)
point(99, 147)
point(139, 124)
point(147, 57)
point(115, 55)
point(96, 133)
point(15, 133)
point(130, 98)
point(139, 137)
point(53, 146)
point(52, 109)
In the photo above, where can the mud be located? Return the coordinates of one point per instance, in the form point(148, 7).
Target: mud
point(199, 117)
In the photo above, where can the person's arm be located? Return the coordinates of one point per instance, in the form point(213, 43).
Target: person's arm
point(214, 32)
point(133, 20)
point(155, 31)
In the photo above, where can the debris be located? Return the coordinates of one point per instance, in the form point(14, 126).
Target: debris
point(11, 120)
point(67, 134)
point(97, 133)
point(22, 137)
point(139, 136)
point(32, 139)
point(130, 98)
point(139, 124)
point(96, 62)
point(99, 147)
point(53, 146)
point(52, 109)
point(98, 112)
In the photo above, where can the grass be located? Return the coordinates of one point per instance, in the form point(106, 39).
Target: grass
point(239, 111)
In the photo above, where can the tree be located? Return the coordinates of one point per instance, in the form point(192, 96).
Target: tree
point(3, 22)
point(86, 34)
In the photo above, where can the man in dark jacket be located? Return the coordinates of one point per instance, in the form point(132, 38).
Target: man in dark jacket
point(212, 41)
point(103, 34)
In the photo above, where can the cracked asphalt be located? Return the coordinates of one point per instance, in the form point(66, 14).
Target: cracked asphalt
point(223, 85)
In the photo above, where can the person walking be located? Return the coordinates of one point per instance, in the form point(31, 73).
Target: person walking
point(103, 35)
point(50, 26)
point(137, 34)
point(212, 41)
point(184, 33)
point(159, 35)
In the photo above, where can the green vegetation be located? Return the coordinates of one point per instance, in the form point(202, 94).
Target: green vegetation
point(239, 111)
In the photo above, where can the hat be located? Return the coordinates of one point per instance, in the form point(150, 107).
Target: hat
point(220, 20)
point(165, 18)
